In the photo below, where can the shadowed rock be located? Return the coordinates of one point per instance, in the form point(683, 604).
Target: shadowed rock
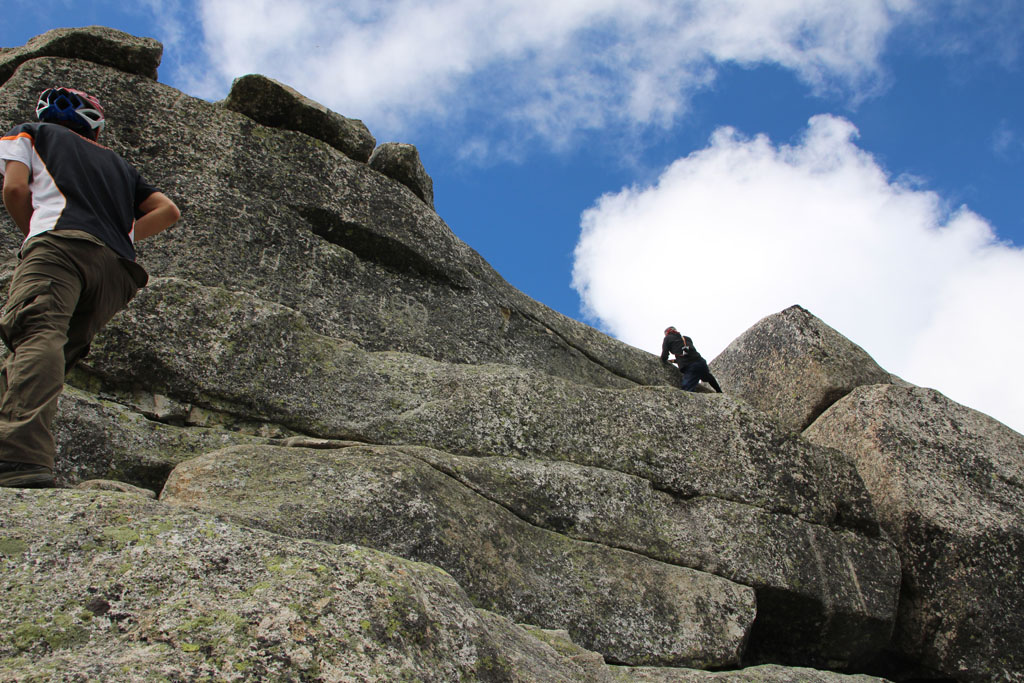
point(793, 366)
point(111, 587)
point(271, 103)
point(823, 596)
point(99, 439)
point(401, 162)
point(628, 607)
point(99, 44)
point(768, 673)
point(948, 484)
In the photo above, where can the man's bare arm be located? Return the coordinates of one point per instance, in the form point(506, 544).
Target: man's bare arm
point(17, 195)
point(158, 214)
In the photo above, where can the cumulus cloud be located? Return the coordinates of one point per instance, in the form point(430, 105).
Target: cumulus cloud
point(535, 67)
point(745, 228)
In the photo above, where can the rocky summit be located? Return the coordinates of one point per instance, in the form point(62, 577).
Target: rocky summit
point(329, 442)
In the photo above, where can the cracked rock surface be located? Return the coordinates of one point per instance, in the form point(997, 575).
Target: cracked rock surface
point(110, 586)
point(948, 483)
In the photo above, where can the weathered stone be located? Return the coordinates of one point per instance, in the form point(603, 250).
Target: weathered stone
point(823, 596)
point(271, 103)
point(793, 366)
point(119, 486)
point(767, 673)
point(948, 484)
point(99, 44)
point(99, 439)
point(401, 162)
point(111, 587)
point(559, 639)
point(291, 220)
point(628, 607)
point(222, 350)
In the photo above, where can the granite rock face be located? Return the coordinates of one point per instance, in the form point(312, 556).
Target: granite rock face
point(320, 362)
point(106, 586)
point(833, 589)
point(647, 612)
point(835, 608)
point(728, 477)
point(948, 484)
point(290, 219)
point(220, 351)
point(793, 366)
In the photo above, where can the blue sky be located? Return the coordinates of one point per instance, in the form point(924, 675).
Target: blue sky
point(702, 163)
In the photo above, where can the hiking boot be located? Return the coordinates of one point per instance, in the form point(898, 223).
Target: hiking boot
point(22, 475)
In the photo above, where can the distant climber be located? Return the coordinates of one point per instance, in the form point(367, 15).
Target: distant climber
point(80, 207)
point(691, 364)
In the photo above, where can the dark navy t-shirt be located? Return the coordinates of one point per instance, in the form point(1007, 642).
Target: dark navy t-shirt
point(77, 184)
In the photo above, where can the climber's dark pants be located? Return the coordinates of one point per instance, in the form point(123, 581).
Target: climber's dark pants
point(694, 373)
point(63, 291)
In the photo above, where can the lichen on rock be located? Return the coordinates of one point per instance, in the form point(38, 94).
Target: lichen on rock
point(101, 586)
point(948, 484)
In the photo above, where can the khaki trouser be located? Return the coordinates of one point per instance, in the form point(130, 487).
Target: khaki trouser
point(63, 291)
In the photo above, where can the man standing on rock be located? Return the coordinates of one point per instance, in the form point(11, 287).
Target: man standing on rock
point(691, 364)
point(80, 207)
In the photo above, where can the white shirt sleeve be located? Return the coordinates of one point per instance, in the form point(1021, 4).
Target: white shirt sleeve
point(16, 147)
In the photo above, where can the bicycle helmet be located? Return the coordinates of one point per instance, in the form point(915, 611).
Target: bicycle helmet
point(77, 110)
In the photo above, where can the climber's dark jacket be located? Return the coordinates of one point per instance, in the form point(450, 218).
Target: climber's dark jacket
point(682, 347)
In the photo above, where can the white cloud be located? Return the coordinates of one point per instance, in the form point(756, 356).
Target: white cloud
point(989, 30)
point(170, 16)
point(1006, 142)
point(538, 67)
point(745, 228)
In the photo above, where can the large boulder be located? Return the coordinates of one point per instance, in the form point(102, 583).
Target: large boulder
point(793, 366)
point(824, 596)
point(948, 484)
point(644, 611)
point(271, 103)
point(402, 163)
point(114, 587)
point(99, 44)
